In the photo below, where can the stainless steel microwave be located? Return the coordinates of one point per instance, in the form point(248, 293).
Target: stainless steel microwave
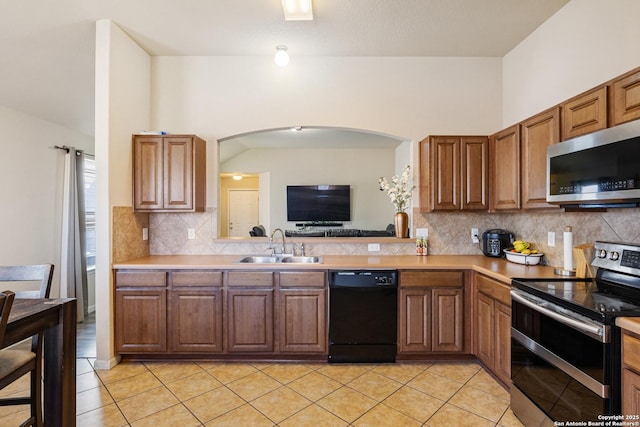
point(601, 168)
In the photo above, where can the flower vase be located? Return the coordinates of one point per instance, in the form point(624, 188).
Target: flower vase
point(401, 222)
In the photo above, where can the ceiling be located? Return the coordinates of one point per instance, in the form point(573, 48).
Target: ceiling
point(47, 47)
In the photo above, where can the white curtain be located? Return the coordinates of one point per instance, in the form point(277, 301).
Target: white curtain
point(73, 272)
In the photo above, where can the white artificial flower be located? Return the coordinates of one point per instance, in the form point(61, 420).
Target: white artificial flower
point(400, 189)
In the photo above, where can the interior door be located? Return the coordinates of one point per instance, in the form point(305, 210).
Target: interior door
point(243, 212)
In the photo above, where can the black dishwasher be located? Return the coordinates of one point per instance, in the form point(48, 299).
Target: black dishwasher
point(363, 316)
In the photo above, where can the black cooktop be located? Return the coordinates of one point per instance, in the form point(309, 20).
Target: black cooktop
point(581, 296)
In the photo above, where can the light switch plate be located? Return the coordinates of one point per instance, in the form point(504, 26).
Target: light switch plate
point(551, 238)
point(374, 247)
point(145, 234)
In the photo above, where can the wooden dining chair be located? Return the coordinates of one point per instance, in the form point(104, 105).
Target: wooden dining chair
point(15, 363)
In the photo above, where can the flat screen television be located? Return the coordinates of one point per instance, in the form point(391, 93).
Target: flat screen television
point(318, 203)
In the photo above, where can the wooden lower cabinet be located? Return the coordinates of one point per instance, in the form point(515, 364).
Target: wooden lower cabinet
point(250, 320)
point(493, 327)
point(141, 320)
point(630, 374)
point(431, 312)
point(448, 323)
point(415, 320)
point(141, 307)
point(195, 320)
point(302, 320)
point(302, 311)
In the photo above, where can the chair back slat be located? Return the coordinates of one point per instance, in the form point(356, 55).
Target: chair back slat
point(39, 273)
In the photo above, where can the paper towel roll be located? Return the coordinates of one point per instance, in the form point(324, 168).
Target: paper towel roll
point(568, 249)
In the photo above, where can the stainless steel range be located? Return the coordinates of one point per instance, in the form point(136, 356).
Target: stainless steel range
point(565, 347)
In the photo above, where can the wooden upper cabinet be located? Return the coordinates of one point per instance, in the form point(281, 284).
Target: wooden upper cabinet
point(454, 172)
point(169, 173)
point(475, 173)
point(585, 113)
point(538, 132)
point(625, 98)
point(504, 178)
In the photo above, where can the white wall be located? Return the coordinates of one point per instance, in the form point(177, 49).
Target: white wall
point(216, 97)
point(583, 45)
point(122, 108)
point(31, 179)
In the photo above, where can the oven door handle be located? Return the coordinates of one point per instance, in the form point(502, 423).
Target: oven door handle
point(584, 325)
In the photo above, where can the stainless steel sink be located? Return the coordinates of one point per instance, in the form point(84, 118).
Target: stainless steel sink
point(256, 259)
point(260, 259)
point(303, 259)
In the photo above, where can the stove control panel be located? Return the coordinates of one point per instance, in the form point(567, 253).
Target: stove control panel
point(623, 257)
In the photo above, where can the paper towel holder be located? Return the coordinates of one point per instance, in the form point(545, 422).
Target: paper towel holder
point(563, 271)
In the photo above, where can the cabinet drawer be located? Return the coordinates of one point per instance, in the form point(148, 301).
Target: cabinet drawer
point(432, 278)
point(196, 278)
point(140, 278)
point(631, 351)
point(299, 279)
point(250, 278)
point(494, 289)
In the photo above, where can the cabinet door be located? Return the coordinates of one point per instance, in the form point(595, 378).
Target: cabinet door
point(195, 319)
point(485, 331)
point(630, 392)
point(178, 173)
point(445, 158)
point(475, 173)
point(141, 320)
point(148, 173)
point(448, 326)
point(502, 366)
point(585, 113)
point(250, 320)
point(415, 320)
point(303, 320)
point(625, 105)
point(505, 169)
point(538, 133)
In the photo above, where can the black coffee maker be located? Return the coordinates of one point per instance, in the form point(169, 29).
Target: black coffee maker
point(495, 241)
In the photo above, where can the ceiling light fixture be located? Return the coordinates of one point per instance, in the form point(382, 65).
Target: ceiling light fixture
point(282, 56)
point(297, 129)
point(297, 10)
point(237, 177)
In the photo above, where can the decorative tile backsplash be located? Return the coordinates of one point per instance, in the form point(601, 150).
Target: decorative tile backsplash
point(449, 233)
point(127, 234)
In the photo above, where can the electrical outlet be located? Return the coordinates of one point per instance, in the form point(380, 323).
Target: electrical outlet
point(374, 247)
point(551, 238)
point(474, 235)
point(145, 234)
point(191, 233)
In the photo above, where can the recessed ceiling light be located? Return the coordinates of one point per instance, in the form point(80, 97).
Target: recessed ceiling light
point(237, 177)
point(297, 10)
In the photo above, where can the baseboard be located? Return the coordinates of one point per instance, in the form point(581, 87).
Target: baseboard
point(105, 365)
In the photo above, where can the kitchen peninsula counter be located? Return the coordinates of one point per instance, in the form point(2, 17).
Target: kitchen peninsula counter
point(497, 268)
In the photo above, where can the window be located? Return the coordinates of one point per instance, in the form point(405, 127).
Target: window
point(90, 209)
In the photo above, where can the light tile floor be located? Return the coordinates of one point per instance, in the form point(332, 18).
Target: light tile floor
point(285, 394)
point(280, 394)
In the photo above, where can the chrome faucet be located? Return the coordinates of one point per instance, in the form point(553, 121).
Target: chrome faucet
point(283, 248)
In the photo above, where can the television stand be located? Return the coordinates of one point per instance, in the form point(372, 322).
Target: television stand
point(319, 224)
